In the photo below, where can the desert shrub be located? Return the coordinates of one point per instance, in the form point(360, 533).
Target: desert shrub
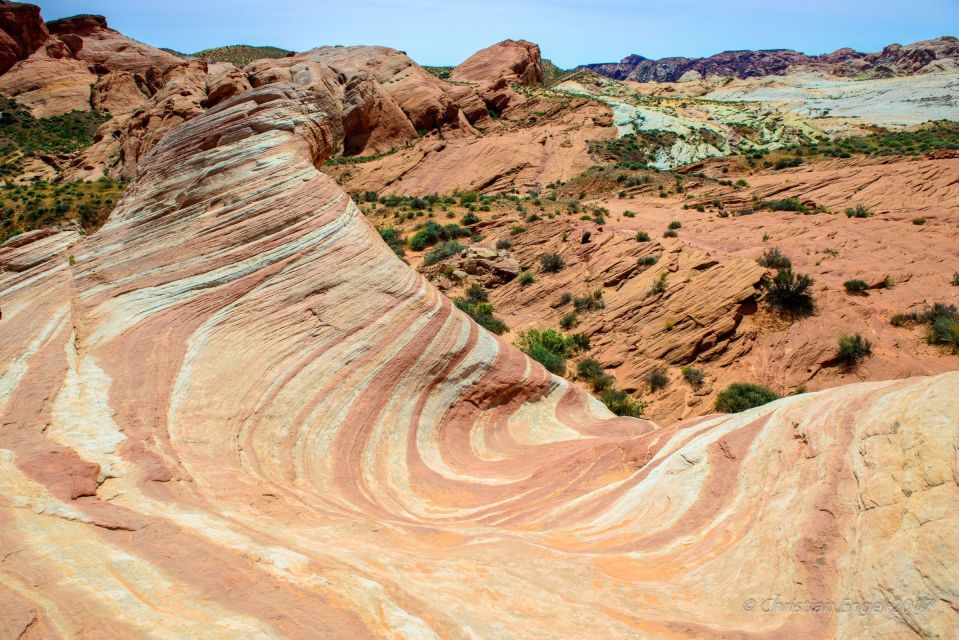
point(551, 348)
point(441, 252)
point(482, 313)
point(629, 214)
point(853, 349)
point(693, 376)
point(504, 243)
point(659, 285)
point(855, 286)
point(740, 396)
point(620, 403)
point(565, 299)
point(789, 204)
point(675, 224)
point(569, 320)
point(589, 368)
point(785, 163)
point(517, 229)
point(670, 233)
point(476, 293)
point(551, 262)
point(642, 236)
point(790, 293)
point(941, 319)
point(433, 233)
point(470, 218)
point(774, 258)
point(394, 239)
point(955, 279)
point(647, 261)
point(919, 221)
point(525, 278)
point(657, 379)
point(589, 302)
point(858, 211)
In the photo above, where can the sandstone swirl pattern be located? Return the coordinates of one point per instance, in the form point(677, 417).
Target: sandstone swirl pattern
point(235, 414)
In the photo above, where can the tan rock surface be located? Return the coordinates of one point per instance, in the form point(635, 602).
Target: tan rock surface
point(513, 60)
point(236, 412)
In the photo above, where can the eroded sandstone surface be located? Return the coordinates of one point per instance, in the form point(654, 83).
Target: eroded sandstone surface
point(233, 411)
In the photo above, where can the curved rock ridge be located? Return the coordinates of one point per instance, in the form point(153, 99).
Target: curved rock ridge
point(234, 412)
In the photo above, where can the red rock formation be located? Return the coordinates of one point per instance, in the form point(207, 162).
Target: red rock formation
point(513, 60)
point(76, 54)
point(21, 32)
point(234, 410)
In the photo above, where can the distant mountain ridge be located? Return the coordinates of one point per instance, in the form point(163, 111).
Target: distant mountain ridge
point(239, 54)
point(895, 59)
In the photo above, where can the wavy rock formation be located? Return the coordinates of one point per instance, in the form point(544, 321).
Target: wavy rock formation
point(234, 412)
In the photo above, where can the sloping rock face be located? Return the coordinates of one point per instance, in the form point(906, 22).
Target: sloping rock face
point(21, 32)
point(234, 411)
point(893, 60)
point(513, 60)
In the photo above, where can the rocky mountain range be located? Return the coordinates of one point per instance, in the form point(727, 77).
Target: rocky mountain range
point(895, 59)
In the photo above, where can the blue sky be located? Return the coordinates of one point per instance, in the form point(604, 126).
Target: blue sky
point(569, 32)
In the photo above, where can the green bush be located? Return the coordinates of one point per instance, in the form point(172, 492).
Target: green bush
point(789, 204)
point(470, 218)
point(589, 368)
point(550, 348)
point(693, 376)
point(740, 396)
point(504, 243)
point(670, 233)
point(569, 320)
point(858, 211)
point(552, 262)
point(853, 350)
point(589, 302)
point(790, 293)
point(433, 233)
point(856, 286)
point(642, 236)
point(657, 379)
point(441, 252)
point(620, 403)
point(919, 221)
point(675, 224)
point(476, 293)
point(774, 258)
point(955, 279)
point(525, 278)
point(647, 261)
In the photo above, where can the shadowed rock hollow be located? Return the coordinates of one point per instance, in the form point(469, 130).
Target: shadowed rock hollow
point(234, 412)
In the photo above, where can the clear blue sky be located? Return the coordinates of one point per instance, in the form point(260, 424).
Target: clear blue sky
point(569, 32)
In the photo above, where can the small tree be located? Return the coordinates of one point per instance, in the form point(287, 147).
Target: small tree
point(790, 293)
